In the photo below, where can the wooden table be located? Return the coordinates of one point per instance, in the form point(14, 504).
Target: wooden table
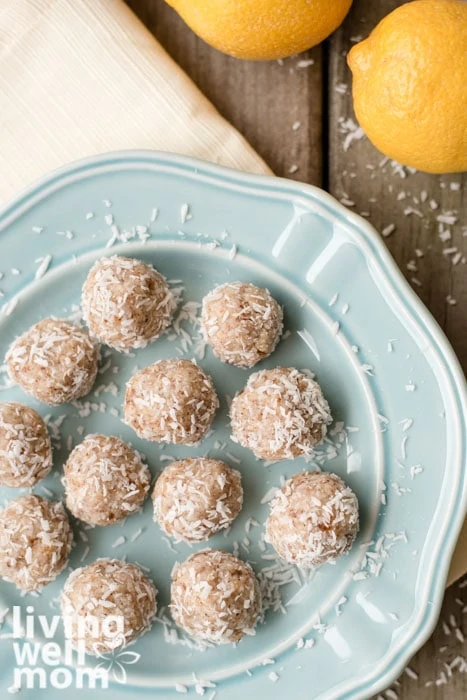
point(298, 115)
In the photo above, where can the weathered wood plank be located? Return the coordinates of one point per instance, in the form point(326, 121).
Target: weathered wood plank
point(389, 195)
point(263, 100)
point(411, 203)
point(439, 665)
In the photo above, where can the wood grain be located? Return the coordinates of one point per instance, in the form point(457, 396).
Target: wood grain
point(241, 91)
point(264, 101)
point(412, 204)
point(380, 193)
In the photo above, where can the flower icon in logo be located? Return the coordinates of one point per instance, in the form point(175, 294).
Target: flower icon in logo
point(116, 662)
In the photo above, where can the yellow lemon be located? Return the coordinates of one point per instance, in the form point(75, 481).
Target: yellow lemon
point(410, 85)
point(262, 29)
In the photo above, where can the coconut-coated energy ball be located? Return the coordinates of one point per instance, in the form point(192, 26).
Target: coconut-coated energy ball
point(105, 480)
point(313, 519)
point(241, 322)
point(35, 542)
point(215, 597)
point(107, 605)
point(25, 447)
point(195, 498)
point(126, 303)
point(171, 401)
point(280, 414)
point(54, 361)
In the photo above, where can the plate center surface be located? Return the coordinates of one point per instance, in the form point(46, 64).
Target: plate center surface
point(353, 451)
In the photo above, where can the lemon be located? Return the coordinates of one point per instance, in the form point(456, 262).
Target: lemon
point(262, 29)
point(410, 85)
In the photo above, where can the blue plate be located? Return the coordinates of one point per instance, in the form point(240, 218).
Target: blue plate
point(394, 385)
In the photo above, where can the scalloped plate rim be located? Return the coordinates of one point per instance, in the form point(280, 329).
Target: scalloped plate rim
point(433, 591)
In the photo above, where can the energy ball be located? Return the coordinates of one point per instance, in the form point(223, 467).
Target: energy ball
point(105, 480)
point(35, 542)
point(242, 323)
point(126, 303)
point(280, 414)
point(107, 605)
point(195, 498)
point(25, 447)
point(215, 597)
point(313, 519)
point(171, 401)
point(54, 361)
